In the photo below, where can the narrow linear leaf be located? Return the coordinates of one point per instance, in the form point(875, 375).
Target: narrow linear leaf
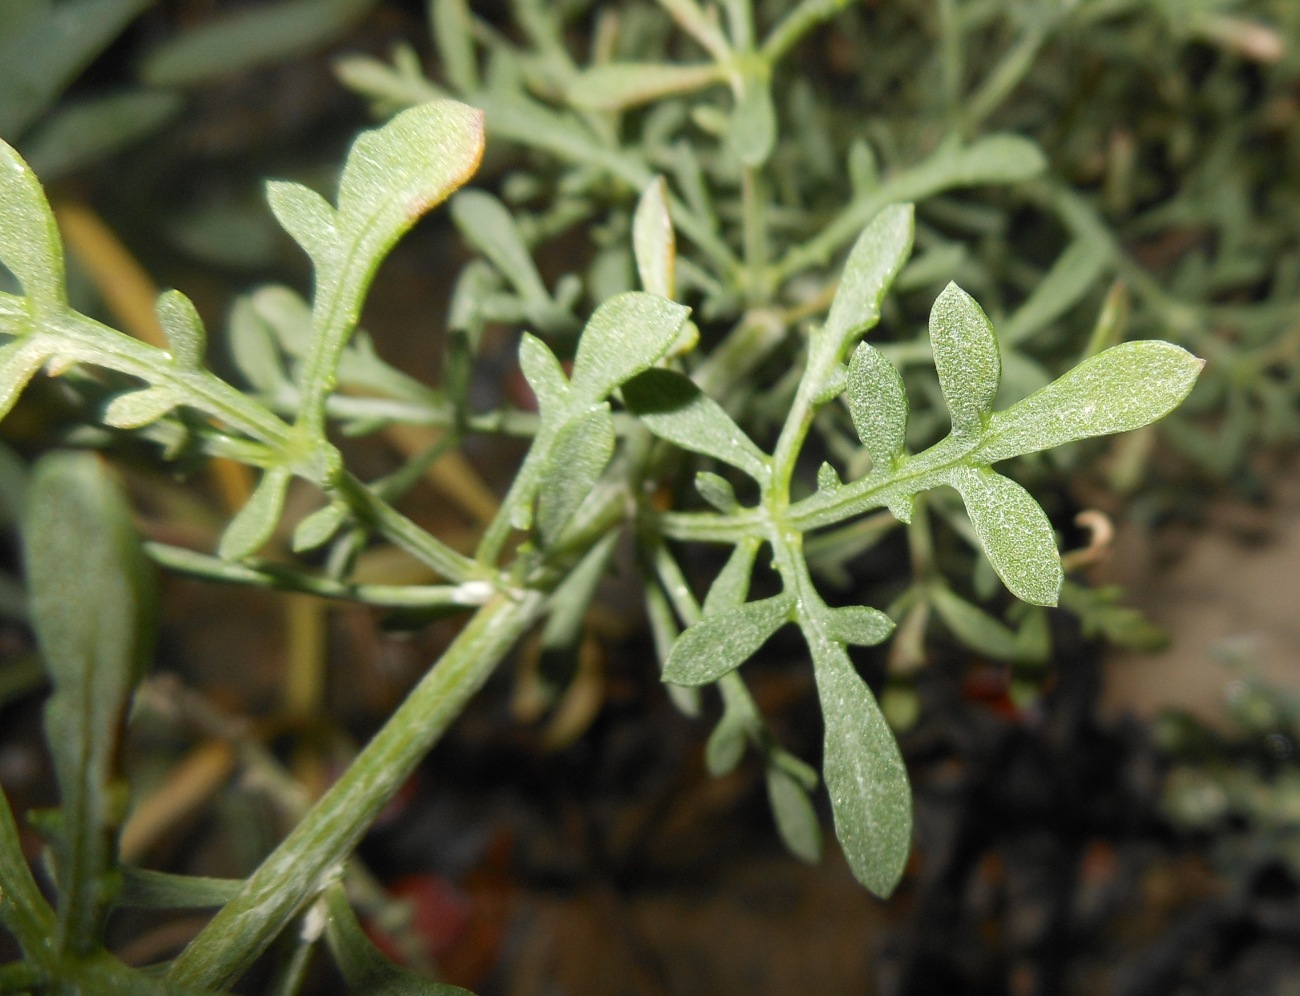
point(721, 643)
point(874, 261)
point(878, 404)
point(139, 408)
point(490, 228)
point(453, 36)
point(1014, 532)
point(366, 969)
point(19, 361)
point(966, 357)
point(46, 45)
point(653, 241)
point(864, 773)
point(251, 37)
point(617, 85)
point(626, 335)
point(581, 450)
point(973, 626)
point(796, 819)
point(29, 238)
point(256, 521)
point(860, 625)
point(1075, 271)
point(91, 595)
point(186, 338)
point(143, 888)
point(544, 374)
point(307, 217)
point(1122, 388)
point(672, 407)
point(87, 131)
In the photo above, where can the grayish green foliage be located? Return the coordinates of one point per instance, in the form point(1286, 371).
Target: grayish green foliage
point(723, 641)
point(966, 357)
point(92, 609)
point(250, 529)
point(863, 771)
point(673, 408)
point(878, 405)
point(796, 819)
point(582, 449)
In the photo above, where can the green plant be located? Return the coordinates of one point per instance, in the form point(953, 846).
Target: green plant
point(655, 399)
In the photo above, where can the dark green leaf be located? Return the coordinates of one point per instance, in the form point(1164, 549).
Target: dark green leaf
point(878, 404)
point(720, 643)
point(1014, 532)
point(92, 608)
point(23, 910)
point(1124, 387)
point(581, 450)
point(966, 357)
point(864, 773)
point(876, 257)
point(796, 819)
point(256, 521)
point(626, 335)
point(29, 239)
point(674, 408)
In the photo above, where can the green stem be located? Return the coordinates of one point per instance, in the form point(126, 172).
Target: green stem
point(396, 527)
point(796, 24)
point(754, 229)
point(281, 577)
point(311, 856)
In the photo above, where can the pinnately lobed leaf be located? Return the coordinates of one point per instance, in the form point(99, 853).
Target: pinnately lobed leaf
point(253, 525)
point(966, 358)
point(1122, 388)
point(618, 85)
point(720, 643)
point(582, 448)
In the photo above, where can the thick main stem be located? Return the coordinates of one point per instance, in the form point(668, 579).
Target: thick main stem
point(313, 853)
